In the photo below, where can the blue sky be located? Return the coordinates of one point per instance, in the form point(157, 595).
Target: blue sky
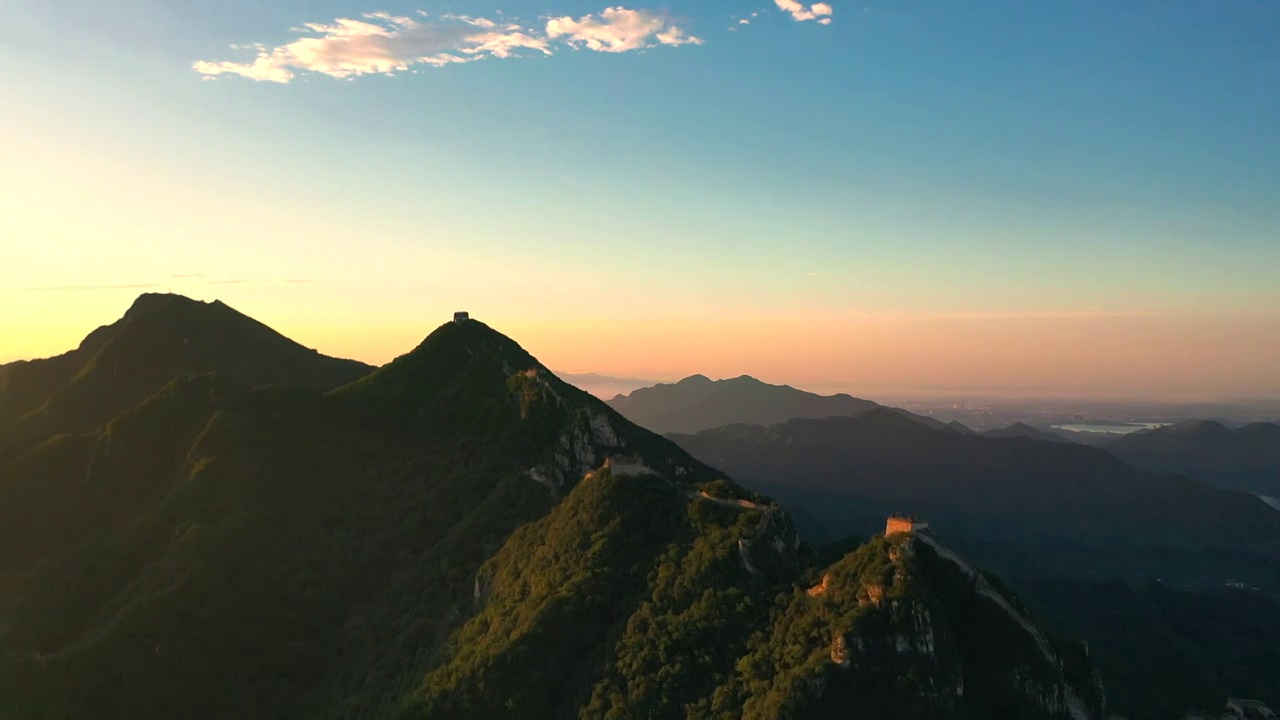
point(908, 159)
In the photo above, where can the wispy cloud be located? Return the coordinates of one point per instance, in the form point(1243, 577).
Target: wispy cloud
point(800, 12)
point(382, 43)
point(245, 281)
point(1012, 315)
point(744, 19)
point(196, 277)
point(137, 286)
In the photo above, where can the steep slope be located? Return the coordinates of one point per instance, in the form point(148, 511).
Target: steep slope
point(903, 627)
point(634, 598)
point(158, 339)
point(1198, 648)
point(697, 403)
point(1245, 458)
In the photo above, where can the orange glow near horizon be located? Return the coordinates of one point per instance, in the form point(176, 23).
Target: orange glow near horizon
point(1074, 354)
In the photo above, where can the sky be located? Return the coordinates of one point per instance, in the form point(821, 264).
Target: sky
point(1060, 198)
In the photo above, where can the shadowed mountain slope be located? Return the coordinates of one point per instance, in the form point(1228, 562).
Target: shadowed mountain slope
point(1245, 458)
point(883, 460)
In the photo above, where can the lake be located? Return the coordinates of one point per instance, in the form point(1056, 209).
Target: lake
point(1115, 429)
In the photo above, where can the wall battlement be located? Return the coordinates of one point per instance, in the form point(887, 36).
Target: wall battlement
point(627, 466)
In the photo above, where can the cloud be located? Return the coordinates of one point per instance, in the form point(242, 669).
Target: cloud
point(618, 29)
point(744, 20)
point(382, 43)
point(1091, 313)
point(817, 11)
point(137, 286)
point(259, 282)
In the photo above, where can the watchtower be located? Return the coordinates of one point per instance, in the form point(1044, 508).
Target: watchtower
point(460, 317)
point(904, 524)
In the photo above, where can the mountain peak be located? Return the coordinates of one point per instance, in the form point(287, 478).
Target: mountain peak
point(148, 302)
point(1197, 427)
point(162, 336)
point(470, 342)
point(698, 379)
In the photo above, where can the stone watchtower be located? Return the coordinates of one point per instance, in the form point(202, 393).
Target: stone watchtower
point(460, 317)
point(904, 524)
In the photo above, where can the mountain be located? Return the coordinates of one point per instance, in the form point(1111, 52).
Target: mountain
point(1245, 458)
point(1024, 430)
point(1038, 512)
point(909, 628)
point(699, 403)
point(159, 338)
point(461, 534)
point(882, 461)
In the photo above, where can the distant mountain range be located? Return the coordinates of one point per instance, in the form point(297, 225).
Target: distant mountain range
point(1040, 511)
point(1245, 458)
point(202, 519)
point(700, 403)
point(881, 457)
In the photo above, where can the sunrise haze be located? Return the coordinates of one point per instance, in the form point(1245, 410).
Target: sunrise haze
point(1012, 198)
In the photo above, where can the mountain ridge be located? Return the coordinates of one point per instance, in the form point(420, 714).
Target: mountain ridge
point(1245, 458)
point(699, 403)
point(303, 551)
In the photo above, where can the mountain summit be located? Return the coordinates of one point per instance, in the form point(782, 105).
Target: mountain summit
point(159, 338)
